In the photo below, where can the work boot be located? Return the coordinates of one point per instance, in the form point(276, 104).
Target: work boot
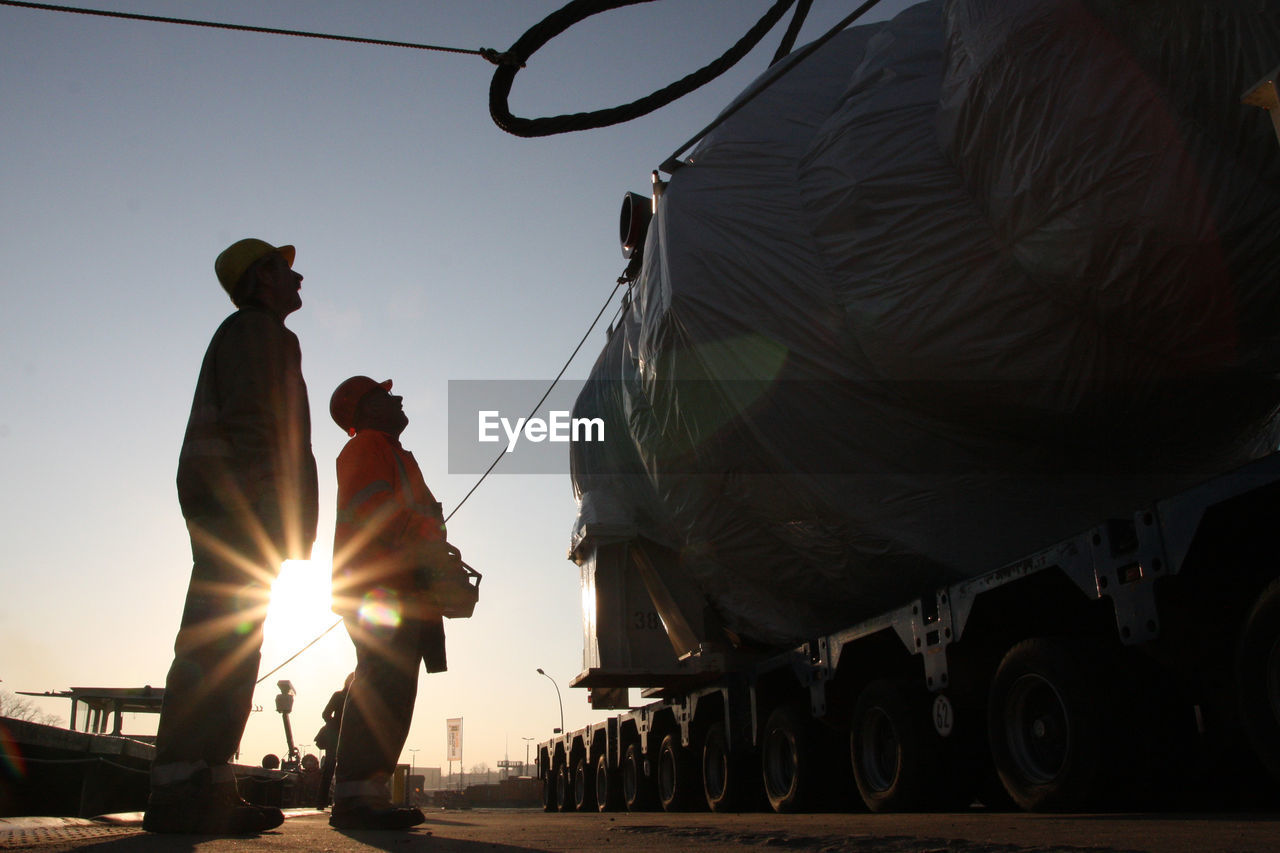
point(230, 797)
point(194, 807)
point(361, 814)
point(208, 816)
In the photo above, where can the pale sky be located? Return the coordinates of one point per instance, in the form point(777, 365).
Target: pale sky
point(434, 247)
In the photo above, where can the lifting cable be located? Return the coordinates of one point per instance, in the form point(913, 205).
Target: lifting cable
point(577, 10)
point(293, 656)
point(488, 470)
point(793, 31)
point(674, 162)
point(546, 394)
point(492, 55)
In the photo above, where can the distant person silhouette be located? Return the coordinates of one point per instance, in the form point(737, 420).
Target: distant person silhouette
point(327, 739)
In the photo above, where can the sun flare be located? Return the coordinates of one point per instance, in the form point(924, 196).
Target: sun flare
point(300, 599)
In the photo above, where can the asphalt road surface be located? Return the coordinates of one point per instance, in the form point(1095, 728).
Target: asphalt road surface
point(517, 830)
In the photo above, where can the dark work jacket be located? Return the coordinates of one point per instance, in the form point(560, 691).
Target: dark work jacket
point(327, 737)
point(246, 456)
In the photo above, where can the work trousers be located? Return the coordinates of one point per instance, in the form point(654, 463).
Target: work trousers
point(379, 709)
point(209, 688)
point(326, 776)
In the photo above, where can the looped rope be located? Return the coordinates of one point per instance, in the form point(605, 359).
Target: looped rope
point(577, 10)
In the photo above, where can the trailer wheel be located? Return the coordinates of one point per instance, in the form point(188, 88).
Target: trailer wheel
point(584, 788)
point(677, 775)
point(549, 803)
point(608, 786)
point(723, 781)
point(1045, 725)
point(1258, 677)
point(637, 790)
point(564, 789)
point(894, 751)
point(788, 760)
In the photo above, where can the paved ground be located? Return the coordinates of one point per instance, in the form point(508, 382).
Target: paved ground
point(519, 830)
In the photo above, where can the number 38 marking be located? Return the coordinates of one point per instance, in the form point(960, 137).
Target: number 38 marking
point(647, 621)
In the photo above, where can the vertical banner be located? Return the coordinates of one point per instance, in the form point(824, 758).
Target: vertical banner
point(453, 737)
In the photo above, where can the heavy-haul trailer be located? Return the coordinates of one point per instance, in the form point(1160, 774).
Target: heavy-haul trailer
point(1113, 666)
point(920, 301)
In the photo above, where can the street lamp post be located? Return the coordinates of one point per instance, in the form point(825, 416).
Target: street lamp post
point(408, 783)
point(526, 740)
point(558, 699)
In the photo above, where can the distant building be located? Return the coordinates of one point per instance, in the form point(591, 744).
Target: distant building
point(428, 780)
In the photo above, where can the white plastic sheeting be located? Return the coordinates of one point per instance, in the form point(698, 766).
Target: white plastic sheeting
point(953, 287)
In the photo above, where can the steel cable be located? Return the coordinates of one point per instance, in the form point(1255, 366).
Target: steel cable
point(487, 53)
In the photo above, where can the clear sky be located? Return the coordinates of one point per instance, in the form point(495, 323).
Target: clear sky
point(434, 247)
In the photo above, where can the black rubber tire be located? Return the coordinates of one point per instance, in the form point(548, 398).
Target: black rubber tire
point(679, 787)
point(723, 779)
point(637, 789)
point(549, 803)
point(584, 786)
point(608, 787)
point(1258, 677)
point(788, 761)
point(1045, 725)
point(564, 789)
point(895, 750)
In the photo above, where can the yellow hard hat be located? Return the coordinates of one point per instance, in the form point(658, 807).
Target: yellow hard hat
point(240, 255)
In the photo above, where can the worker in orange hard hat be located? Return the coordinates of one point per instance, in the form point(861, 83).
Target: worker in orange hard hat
point(389, 526)
point(247, 487)
point(342, 405)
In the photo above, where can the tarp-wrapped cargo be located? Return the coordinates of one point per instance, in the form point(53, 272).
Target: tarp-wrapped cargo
point(950, 288)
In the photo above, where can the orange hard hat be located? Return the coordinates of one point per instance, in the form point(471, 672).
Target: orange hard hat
point(342, 405)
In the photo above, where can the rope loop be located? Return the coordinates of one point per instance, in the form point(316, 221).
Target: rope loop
point(568, 15)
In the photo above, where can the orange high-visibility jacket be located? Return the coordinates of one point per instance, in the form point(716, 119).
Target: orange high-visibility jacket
point(384, 510)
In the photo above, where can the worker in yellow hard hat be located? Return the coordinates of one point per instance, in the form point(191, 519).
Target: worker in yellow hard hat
point(247, 488)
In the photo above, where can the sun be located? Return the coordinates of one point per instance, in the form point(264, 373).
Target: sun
point(300, 598)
